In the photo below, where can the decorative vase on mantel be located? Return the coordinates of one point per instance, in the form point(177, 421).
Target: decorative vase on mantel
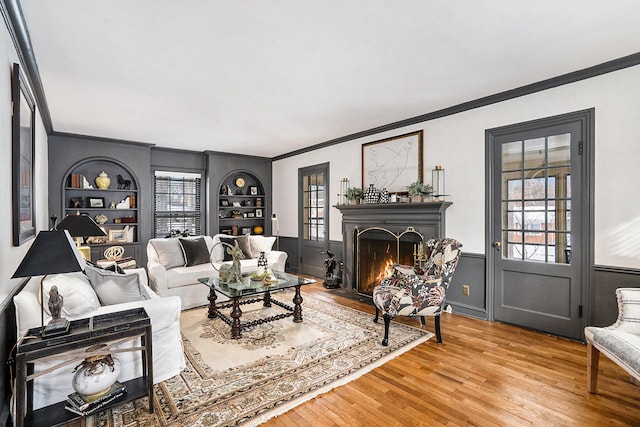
point(384, 196)
point(103, 181)
point(371, 195)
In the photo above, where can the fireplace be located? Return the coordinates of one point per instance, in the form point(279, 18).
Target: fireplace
point(369, 236)
point(377, 249)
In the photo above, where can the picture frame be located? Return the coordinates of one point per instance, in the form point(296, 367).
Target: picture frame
point(253, 191)
point(118, 235)
point(393, 163)
point(23, 153)
point(95, 202)
point(258, 213)
point(246, 230)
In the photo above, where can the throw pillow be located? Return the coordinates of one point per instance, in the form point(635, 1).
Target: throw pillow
point(169, 252)
point(78, 296)
point(243, 243)
point(195, 251)
point(113, 288)
point(229, 241)
point(262, 244)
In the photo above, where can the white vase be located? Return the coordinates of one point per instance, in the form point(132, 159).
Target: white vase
point(96, 374)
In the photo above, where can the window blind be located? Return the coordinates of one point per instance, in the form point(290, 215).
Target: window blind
point(176, 204)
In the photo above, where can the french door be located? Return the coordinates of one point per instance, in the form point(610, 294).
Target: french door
point(539, 215)
point(313, 218)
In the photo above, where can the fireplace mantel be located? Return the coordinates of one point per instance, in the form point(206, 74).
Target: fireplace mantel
point(427, 218)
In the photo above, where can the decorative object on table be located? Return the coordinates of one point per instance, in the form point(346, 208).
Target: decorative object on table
point(229, 273)
point(258, 229)
point(331, 280)
point(354, 195)
point(344, 186)
point(393, 198)
point(437, 178)
point(259, 202)
point(127, 220)
point(391, 162)
point(418, 191)
point(52, 252)
point(234, 230)
point(103, 181)
point(96, 374)
point(101, 218)
point(113, 253)
point(371, 194)
point(246, 230)
point(123, 204)
point(262, 260)
point(275, 225)
point(384, 196)
point(95, 202)
point(224, 190)
point(23, 147)
point(123, 184)
point(248, 203)
point(80, 227)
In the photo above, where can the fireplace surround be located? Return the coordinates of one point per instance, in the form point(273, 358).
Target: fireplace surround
point(427, 219)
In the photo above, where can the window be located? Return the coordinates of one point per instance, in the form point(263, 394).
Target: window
point(176, 203)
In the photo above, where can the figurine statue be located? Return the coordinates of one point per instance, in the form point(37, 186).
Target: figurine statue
point(55, 304)
point(331, 280)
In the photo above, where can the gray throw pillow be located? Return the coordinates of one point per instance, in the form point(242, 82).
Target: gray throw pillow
point(243, 243)
point(113, 288)
point(195, 251)
point(169, 252)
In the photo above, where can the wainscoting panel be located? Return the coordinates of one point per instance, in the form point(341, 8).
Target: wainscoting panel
point(471, 272)
point(604, 307)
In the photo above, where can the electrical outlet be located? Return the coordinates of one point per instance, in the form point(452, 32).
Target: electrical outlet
point(466, 289)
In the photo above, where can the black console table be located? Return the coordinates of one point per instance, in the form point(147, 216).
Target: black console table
point(108, 328)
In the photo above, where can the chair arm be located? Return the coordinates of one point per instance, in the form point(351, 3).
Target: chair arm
point(278, 260)
point(142, 275)
point(157, 275)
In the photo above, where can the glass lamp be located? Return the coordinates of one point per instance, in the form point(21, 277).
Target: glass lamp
point(53, 252)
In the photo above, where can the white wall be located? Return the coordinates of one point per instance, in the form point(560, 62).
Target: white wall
point(10, 256)
point(458, 143)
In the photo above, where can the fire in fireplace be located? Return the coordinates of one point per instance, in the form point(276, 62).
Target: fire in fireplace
point(377, 249)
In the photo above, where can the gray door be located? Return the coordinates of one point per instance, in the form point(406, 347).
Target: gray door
point(538, 212)
point(313, 218)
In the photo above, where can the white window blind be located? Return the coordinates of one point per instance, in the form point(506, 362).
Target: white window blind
point(176, 204)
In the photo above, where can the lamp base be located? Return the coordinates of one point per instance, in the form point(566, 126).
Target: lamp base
point(60, 327)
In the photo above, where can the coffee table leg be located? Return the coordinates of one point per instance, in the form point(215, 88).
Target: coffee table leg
point(267, 299)
point(236, 330)
point(212, 304)
point(297, 306)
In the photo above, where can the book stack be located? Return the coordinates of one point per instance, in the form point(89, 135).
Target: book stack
point(86, 405)
point(124, 262)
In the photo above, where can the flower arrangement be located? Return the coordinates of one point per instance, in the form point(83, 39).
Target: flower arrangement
point(354, 193)
point(418, 188)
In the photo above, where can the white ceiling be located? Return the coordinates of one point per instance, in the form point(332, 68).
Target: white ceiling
point(266, 77)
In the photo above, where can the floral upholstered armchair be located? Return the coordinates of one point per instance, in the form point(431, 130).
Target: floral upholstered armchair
point(411, 292)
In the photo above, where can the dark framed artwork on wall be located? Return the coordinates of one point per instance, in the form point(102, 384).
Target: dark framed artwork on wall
point(23, 147)
point(393, 163)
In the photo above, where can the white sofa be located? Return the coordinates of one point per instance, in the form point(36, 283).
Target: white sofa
point(171, 273)
point(82, 301)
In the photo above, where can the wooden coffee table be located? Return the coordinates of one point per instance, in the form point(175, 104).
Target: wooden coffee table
point(250, 291)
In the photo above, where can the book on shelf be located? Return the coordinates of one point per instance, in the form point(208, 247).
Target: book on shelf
point(124, 262)
point(97, 405)
point(83, 403)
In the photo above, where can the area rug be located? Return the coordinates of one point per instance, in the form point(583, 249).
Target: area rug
point(271, 369)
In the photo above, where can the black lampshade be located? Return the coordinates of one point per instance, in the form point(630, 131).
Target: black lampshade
point(52, 252)
point(80, 226)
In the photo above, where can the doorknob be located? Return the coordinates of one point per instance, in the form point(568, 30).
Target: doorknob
point(496, 245)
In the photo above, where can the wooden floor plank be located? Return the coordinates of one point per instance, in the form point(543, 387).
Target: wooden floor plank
point(483, 374)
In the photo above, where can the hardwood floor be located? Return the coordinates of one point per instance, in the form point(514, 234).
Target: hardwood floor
point(483, 374)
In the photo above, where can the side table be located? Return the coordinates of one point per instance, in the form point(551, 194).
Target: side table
point(113, 327)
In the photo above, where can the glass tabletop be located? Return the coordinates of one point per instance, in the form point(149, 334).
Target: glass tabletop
point(250, 287)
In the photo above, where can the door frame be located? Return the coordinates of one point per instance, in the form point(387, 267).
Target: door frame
point(586, 119)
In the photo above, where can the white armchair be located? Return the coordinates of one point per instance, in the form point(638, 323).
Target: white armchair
point(620, 342)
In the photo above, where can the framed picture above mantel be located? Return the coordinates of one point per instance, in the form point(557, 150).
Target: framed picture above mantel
point(393, 163)
point(23, 147)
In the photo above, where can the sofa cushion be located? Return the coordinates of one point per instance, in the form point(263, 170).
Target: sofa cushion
point(195, 251)
point(243, 243)
point(261, 244)
point(169, 252)
point(78, 296)
point(113, 288)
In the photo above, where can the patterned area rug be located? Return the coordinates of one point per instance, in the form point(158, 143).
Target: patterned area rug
point(272, 368)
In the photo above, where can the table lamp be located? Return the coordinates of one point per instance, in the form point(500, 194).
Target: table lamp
point(52, 252)
point(275, 224)
point(79, 227)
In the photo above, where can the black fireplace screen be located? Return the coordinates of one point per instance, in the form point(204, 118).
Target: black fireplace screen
point(377, 249)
